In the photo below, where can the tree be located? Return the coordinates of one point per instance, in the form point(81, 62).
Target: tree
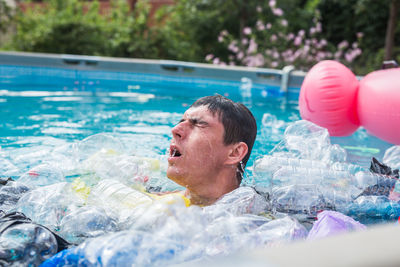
point(391, 29)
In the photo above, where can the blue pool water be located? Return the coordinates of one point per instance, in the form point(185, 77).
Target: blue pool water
point(54, 111)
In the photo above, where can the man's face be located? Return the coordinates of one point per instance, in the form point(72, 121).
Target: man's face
point(197, 150)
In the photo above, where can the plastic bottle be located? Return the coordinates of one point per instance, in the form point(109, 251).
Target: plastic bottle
point(119, 195)
point(375, 184)
point(42, 175)
point(270, 164)
point(26, 244)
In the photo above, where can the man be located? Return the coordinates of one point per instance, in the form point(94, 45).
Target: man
point(210, 147)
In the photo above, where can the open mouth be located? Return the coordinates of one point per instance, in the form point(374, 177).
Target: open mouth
point(174, 152)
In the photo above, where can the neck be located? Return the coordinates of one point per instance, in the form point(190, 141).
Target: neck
point(205, 195)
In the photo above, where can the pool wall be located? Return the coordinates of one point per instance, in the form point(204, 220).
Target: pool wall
point(98, 73)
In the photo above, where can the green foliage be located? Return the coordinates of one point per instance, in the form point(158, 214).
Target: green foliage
point(76, 27)
point(6, 16)
point(268, 33)
point(344, 19)
point(197, 24)
point(60, 27)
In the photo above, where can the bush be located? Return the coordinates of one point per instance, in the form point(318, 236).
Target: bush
point(270, 33)
point(345, 18)
point(74, 27)
point(60, 27)
point(276, 39)
point(6, 16)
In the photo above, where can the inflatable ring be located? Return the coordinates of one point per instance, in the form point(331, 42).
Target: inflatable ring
point(332, 97)
point(328, 98)
point(379, 104)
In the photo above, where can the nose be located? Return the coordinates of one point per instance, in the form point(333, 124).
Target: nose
point(179, 131)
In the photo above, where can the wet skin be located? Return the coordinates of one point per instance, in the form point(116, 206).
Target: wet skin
point(199, 160)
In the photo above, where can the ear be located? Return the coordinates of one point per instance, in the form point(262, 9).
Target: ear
point(237, 153)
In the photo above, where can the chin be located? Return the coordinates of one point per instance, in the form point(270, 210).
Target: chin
point(174, 176)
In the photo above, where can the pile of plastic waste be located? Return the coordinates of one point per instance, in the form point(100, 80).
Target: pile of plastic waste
point(305, 174)
point(94, 203)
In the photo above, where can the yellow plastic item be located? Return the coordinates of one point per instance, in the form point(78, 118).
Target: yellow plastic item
point(80, 188)
point(127, 196)
point(171, 198)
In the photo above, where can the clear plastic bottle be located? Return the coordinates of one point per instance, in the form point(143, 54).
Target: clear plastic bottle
point(375, 184)
point(270, 164)
point(116, 194)
point(26, 244)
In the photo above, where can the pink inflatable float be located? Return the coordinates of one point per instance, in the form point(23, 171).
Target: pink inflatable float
point(379, 104)
point(332, 97)
point(328, 98)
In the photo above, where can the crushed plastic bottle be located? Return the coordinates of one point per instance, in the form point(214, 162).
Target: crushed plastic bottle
point(265, 166)
point(118, 199)
point(85, 222)
point(175, 241)
point(305, 140)
point(94, 143)
point(303, 190)
point(47, 205)
point(242, 200)
point(26, 244)
point(118, 194)
point(229, 234)
point(119, 249)
point(374, 184)
point(42, 175)
point(108, 164)
point(392, 157)
point(374, 209)
point(7, 168)
point(10, 192)
point(23, 243)
point(300, 198)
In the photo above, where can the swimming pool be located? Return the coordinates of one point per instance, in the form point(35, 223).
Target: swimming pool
point(85, 97)
point(83, 117)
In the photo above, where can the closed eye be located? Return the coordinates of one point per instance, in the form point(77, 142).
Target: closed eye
point(195, 122)
point(198, 122)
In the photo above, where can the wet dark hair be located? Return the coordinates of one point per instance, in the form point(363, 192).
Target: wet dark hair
point(238, 121)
